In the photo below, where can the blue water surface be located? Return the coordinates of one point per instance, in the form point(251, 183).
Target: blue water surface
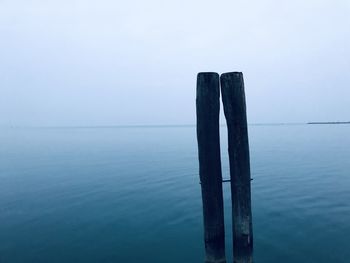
point(132, 194)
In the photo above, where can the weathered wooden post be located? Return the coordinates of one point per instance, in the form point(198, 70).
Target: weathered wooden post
point(233, 97)
point(208, 107)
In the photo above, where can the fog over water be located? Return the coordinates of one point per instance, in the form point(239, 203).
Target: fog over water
point(135, 62)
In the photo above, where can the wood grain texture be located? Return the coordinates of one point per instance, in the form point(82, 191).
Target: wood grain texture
point(233, 97)
point(208, 107)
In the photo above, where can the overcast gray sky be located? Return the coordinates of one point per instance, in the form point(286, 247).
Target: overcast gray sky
point(110, 62)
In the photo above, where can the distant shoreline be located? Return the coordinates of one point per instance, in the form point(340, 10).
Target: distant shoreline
point(330, 122)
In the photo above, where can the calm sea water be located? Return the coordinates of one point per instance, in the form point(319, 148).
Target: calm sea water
point(133, 194)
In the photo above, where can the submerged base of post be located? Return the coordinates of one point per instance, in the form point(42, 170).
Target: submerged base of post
point(243, 259)
point(216, 261)
point(243, 251)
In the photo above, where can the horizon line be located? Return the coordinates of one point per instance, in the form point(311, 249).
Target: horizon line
point(143, 125)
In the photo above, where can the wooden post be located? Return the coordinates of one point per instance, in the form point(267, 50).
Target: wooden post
point(233, 97)
point(208, 107)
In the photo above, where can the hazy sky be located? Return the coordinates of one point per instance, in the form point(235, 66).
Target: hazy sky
point(66, 62)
